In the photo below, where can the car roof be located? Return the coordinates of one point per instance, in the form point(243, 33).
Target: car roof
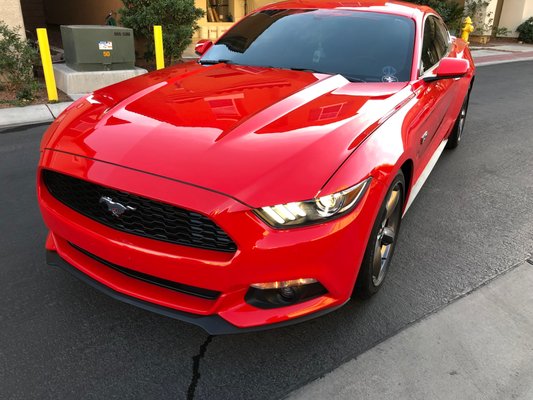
point(388, 7)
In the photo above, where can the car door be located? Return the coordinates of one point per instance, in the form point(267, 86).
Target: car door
point(434, 98)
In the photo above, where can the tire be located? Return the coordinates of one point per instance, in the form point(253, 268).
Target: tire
point(458, 127)
point(382, 242)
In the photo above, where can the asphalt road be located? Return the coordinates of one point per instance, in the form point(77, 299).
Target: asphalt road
point(60, 339)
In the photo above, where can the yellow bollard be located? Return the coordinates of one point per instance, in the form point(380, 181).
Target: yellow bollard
point(467, 29)
point(159, 53)
point(46, 59)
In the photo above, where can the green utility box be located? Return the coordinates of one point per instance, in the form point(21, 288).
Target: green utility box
point(98, 47)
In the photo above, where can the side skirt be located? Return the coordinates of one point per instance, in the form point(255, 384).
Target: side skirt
point(424, 175)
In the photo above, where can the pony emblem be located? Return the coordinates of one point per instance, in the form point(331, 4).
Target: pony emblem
point(115, 208)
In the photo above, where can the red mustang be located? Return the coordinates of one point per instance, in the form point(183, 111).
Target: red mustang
point(264, 184)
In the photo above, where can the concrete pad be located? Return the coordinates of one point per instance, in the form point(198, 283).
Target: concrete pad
point(189, 54)
point(76, 96)
point(478, 348)
point(20, 116)
point(79, 82)
point(58, 108)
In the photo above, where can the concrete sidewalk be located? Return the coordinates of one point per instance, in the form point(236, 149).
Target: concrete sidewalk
point(480, 347)
point(501, 53)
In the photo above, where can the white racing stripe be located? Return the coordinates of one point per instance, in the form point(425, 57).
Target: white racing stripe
point(424, 175)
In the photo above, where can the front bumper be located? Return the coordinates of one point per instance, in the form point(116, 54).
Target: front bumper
point(212, 324)
point(330, 253)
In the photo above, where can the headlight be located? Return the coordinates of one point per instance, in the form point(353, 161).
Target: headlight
point(313, 211)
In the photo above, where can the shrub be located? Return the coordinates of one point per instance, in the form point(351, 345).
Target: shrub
point(177, 17)
point(525, 31)
point(17, 57)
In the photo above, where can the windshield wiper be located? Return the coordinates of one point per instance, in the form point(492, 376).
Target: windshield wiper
point(354, 79)
point(213, 62)
point(310, 70)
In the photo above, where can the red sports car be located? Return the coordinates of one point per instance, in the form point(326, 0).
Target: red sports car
point(264, 184)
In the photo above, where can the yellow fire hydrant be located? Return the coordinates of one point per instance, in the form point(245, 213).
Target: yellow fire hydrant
point(467, 29)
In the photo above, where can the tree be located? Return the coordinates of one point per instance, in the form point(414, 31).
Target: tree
point(450, 11)
point(177, 17)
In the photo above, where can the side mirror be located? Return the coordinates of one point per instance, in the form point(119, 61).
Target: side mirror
point(202, 46)
point(449, 68)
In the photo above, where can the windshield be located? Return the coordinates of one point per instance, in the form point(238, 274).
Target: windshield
point(361, 46)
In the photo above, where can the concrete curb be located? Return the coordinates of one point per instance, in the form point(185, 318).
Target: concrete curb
point(30, 115)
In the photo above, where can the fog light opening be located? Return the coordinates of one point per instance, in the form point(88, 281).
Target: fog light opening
point(284, 284)
point(288, 293)
point(283, 293)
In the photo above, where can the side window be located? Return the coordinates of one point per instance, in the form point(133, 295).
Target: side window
point(435, 43)
point(442, 38)
point(430, 57)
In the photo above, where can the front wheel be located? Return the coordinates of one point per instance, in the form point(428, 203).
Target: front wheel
point(382, 242)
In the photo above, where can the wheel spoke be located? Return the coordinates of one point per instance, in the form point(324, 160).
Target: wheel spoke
point(392, 202)
point(387, 237)
point(384, 240)
point(376, 262)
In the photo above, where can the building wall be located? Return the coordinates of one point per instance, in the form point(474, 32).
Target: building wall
point(514, 12)
point(33, 14)
point(72, 12)
point(490, 13)
point(507, 14)
point(12, 14)
point(255, 4)
point(237, 8)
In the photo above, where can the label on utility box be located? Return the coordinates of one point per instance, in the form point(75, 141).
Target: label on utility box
point(105, 45)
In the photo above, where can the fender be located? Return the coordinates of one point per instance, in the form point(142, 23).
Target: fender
point(380, 156)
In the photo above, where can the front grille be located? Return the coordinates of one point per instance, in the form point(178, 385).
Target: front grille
point(141, 216)
point(178, 287)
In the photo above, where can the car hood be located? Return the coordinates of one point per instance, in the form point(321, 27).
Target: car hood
point(261, 135)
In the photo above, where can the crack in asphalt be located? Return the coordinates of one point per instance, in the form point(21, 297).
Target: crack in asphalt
point(196, 367)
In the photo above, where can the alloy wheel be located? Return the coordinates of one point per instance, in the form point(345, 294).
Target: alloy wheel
point(461, 122)
point(386, 237)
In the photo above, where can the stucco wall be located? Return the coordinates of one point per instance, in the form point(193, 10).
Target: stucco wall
point(11, 14)
point(514, 12)
point(512, 15)
point(490, 13)
point(528, 9)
